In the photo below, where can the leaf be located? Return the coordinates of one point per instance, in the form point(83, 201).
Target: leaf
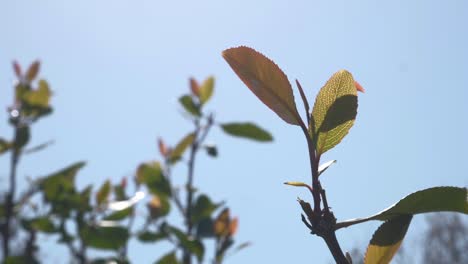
point(298, 184)
point(103, 194)
point(436, 199)
point(194, 87)
point(43, 224)
point(4, 146)
point(152, 176)
point(60, 182)
point(151, 237)
point(266, 80)
point(221, 223)
point(111, 238)
point(158, 207)
point(169, 258)
point(247, 130)
point(203, 208)
point(334, 111)
point(387, 240)
point(189, 105)
point(39, 97)
point(33, 70)
point(211, 150)
point(206, 90)
point(322, 168)
point(194, 246)
point(205, 228)
point(181, 147)
point(119, 215)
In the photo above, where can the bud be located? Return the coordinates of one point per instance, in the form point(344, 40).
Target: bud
point(162, 148)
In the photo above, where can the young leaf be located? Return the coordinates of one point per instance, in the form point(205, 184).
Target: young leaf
point(33, 71)
point(111, 238)
point(247, 130)
point(334, 111)
point(194, 87)
point(206, 90)
point(40, 96)
point(266, 80)
point(436, 199)
point(221, 223)
point(150, 237)
point(387, 240)
point(103, 193)
point(203, 208)
point(211, 150)
point(180, 148)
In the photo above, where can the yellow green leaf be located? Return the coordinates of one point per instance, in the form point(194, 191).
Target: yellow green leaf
point(266, 80)
point(334, 111)
point(41, 96)
point(180, 148)
point(387, 240)
point(206, 90)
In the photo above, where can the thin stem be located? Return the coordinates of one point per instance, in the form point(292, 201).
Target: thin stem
point(9, 205)
point(200, 136)
point(335, 249)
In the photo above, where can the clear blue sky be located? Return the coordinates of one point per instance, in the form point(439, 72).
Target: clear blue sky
point(117, 68)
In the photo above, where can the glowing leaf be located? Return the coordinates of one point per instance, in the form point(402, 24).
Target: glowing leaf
point(266, 80)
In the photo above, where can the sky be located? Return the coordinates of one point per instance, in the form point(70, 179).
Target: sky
point(117, 68)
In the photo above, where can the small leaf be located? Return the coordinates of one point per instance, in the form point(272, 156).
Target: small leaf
point(359, 88)
point(43, 224)
point(334, 111)
point(163, 150)
point(387, 240)
point(158, 207)
point(32, 72)
point(211, 150)
point(111, 238)
point(151, 237)
point(41, 96)
point(203, 208)
point(119, 215)
point(17, 70)
point(266, 80)
point(205, 228)
point(233, 225)
point(103, 194)
point(169, 258)
point(194, 246)
point(180, 148)
point(4, 146)
point(322, 168)
point(206, 90)
point(194, 87)
point(436, 199)
point(151, 174)
point(299, 184)
point(247, 130)
point(221, 223)
point(189, 105)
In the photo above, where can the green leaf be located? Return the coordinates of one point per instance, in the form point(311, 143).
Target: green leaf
point(152, 176)
point(119, 215)
point(111, 238)
point(181, 147)
point(206, 90)
point(43, 224)
point(60, 182)
point(189, 105)
point(387, 240)
point(150, 237)
point(247, 130)
point(203, 208)
point(169, 258)
point(205, 228)
point(194, 246)
point(266, 80)
point(103, 194)
point(334, 111)
point(4, 146)
point(436, 199)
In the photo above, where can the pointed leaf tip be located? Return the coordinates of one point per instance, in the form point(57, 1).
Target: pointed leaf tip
point(359, 88)
point(266, 80)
